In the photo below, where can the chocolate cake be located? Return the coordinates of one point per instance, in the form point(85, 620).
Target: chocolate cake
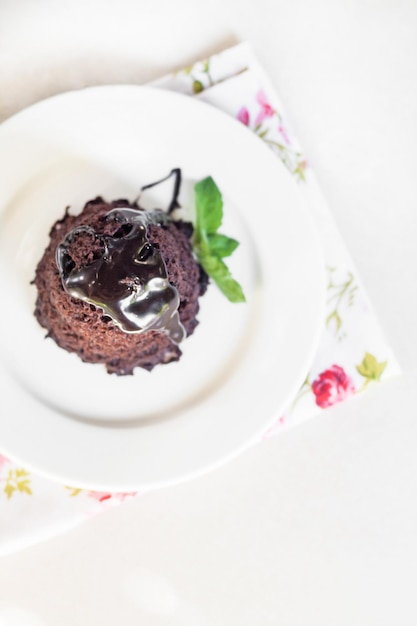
point(119, 286)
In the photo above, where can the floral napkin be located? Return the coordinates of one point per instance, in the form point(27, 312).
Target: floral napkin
point(353, 354)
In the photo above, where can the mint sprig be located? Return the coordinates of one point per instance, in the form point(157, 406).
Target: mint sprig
point(210, 246)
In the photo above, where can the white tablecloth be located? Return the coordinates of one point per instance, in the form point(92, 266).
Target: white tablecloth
point(316, 526)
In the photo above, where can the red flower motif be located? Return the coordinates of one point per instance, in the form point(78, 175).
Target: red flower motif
point(332, 386)
point(243, 116)
point(98, 495)
point(102, 496)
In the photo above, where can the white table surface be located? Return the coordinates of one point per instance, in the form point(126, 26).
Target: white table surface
point(318, 526)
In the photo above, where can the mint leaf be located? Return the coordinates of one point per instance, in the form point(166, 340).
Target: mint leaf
point(219, 272)
point(221, 245)
point(210, 246)
point(209, 206)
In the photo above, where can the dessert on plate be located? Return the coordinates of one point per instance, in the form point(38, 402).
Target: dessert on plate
point(120, 285)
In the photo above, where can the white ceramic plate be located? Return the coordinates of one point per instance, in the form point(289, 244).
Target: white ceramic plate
point(73, 422)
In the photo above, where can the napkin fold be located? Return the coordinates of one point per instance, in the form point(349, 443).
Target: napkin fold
point(353, 354)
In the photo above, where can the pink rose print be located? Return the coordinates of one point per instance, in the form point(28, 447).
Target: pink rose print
point(332, 386)
point(266, 109)
point(243, 116)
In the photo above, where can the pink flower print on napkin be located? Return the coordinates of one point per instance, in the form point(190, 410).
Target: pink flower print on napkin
point(3, 461)
point(332, 386)
point(103, 496)
point(243, 116)
point(266, 110)
point(284, 134)
point(276, 427)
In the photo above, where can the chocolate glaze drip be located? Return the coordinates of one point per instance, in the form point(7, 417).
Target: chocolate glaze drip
point(174, 204)
point(129, 280)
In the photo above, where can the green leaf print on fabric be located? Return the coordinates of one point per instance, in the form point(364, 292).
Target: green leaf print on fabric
point(370, 368)
point(74, 491)
point(340, 294)
point(17, 480)
point(198, 86)
point(200, 75)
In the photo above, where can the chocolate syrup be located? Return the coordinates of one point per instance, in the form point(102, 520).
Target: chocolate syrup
point(174, 204)
point(129, 282)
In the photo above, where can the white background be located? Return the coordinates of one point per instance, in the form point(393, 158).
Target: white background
point(318, 526)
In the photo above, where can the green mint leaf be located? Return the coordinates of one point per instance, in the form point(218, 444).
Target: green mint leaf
point(221, 275)
point(209, 206)
point(209, 245)
point(221, 245)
